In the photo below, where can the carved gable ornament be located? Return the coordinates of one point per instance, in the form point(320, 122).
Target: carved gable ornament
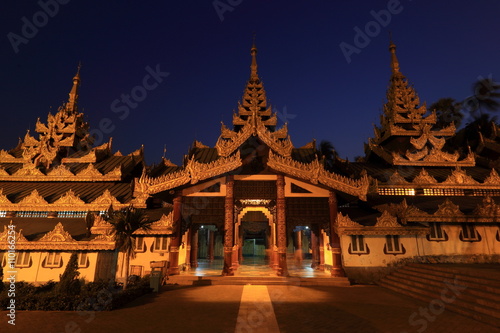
point(397, 179)
point(343, 221)
point(61, 171)
point(19, 237)
point(165, 225)
point(69, 198)
point(101, 226)
point(449, 209)
point(460, 177)
point(28, 169)
point(90, 171)
point(33, 199)
point(57, 235)
point(492, 179)
point(488, 208)
point(387, 220)
point(424, 178)
point(106, 199)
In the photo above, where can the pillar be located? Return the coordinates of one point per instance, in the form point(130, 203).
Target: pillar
point(337, 269)
point(188, 248)
point(321, 250)
point(298, 247)
point(194, 247)
point(227, 270)
point(176, 240)
point(315, 246)
point(281, 225)
point(211, 245)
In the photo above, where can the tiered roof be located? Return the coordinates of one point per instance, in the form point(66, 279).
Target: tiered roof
point(254, 145)
point(408, 134)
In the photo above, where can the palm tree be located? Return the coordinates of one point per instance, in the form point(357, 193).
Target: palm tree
point(487, 93)
point(447, 111)
point(125, 222)
point(328, 153)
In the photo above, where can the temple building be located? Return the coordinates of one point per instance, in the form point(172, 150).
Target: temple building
point(254, 195)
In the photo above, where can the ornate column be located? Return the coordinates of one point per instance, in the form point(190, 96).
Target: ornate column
point(315, 246)
point(228, 227)
point(337, 269)
point(194, 247)
point(298, 247)
point(321, 250)
point(188, 248)
point(211, 244)
point(176, 240)
point(281, 225)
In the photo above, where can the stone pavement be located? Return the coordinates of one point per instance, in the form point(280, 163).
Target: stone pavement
point(216, 309)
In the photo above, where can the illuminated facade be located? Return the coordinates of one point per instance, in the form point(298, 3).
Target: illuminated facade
point(253, 194)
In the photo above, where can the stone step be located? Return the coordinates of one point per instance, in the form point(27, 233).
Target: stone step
point(242, 280)
point(473, 292)
point(486, 306)
point(492, 278)
point(401, 289)
point(486, 285)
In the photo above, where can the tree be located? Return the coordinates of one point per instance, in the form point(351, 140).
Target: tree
point(328, 153)
point(447, 111)
point(68, 281)
point(125, 222)
point(486, 91)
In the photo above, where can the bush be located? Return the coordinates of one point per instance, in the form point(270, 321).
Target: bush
point(93, 296)
point(69, 283)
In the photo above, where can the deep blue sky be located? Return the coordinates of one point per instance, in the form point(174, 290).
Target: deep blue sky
point(443, 47)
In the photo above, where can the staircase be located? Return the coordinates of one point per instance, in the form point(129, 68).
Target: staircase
point(470, 290)
point(271, 280)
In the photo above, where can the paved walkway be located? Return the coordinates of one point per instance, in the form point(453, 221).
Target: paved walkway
point(216, 309)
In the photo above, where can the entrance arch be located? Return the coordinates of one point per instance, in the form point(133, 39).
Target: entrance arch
point(255, 237)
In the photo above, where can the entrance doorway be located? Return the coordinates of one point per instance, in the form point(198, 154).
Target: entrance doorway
point(255, 241)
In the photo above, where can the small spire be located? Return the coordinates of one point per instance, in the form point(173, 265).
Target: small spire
point(394, 58)
point(71, 106)
point(253, 67)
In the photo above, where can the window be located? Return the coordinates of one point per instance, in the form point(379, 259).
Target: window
point(71, 213)
point(393, 246)
point(29, 213)
point(83, 260)
point(53, 260)
point(23, 259)
point(139, 244)
point(395, 191)
point(358, 245)
point(3, 213)
point(436, 232)
point(160, 243)
point(136, 270)
point(468, 233)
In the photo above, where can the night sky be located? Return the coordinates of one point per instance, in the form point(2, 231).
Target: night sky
point(442, 46)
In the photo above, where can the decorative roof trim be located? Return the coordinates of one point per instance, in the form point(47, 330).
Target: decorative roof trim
point(314, 172)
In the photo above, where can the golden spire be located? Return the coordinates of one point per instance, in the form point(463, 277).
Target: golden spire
point(253, 66)
point(71, 106)
point(394, 58)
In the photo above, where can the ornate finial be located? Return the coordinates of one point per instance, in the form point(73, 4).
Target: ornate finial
point(394, 58)
point(253, 67)
point(71, 106)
